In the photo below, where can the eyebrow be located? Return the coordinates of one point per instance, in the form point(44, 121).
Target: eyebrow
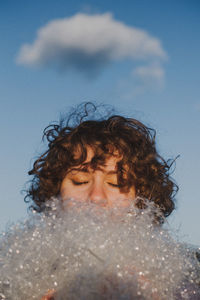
point(85, 170)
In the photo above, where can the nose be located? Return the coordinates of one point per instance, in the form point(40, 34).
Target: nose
point(97, 194)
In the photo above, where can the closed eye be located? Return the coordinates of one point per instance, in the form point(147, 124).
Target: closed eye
point(79, 182)
point(114, 185)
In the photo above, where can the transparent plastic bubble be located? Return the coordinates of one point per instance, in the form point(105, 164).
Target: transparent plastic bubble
point(84, 251)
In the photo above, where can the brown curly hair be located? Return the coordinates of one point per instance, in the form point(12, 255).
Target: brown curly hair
point(140, 166)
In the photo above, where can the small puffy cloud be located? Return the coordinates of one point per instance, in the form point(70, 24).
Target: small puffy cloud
point(150, 75)
point(88, 43)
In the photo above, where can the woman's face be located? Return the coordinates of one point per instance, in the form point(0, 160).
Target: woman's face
point(96, 186)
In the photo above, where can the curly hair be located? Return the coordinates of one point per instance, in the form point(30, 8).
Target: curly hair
point(140, 165)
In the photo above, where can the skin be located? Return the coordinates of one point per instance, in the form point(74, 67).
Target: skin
point(96, 186)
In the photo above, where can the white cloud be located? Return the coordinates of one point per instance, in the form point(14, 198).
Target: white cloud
point(150, 75)
point(88, 43)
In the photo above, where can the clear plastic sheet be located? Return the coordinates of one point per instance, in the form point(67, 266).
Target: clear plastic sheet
point(84, 251)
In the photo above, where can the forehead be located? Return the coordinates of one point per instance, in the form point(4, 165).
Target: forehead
point(110, 162)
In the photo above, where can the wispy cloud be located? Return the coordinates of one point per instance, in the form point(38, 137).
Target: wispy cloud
point(150, 75)
point(88, 43)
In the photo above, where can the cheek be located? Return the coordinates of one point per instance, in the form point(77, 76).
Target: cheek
point(118, 199)
point(66, 190)
point(64, 193)
point(131, 194)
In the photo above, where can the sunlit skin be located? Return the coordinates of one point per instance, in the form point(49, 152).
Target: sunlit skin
point(96, 186)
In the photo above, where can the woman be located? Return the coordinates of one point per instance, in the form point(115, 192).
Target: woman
point(106, 159)
point(109, 161)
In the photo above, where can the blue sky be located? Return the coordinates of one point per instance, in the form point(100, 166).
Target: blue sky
point(156, 81)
